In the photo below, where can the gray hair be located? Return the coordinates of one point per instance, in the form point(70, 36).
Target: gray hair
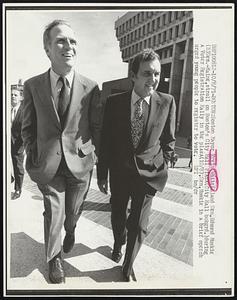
point(46, 35)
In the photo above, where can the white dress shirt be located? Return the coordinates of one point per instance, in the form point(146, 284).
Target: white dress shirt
point(14, 111)
point(134, 99)
point(57, 85)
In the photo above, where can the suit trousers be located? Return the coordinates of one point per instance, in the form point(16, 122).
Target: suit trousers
point(63, 197)
point(130, 224)
point(18, 169)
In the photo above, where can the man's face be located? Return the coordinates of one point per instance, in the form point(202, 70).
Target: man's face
point(147, 78)
point(15, 97)
point(61, 49)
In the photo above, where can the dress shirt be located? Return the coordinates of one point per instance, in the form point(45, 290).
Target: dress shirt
point(14, 111)
point(135, 98)
point(57, 85)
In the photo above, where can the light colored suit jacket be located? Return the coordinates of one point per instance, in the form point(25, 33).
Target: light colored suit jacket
point(46, 141)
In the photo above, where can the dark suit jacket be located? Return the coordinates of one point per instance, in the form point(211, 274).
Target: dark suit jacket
point(156, 145)
point(44, 138)
point(16, 139)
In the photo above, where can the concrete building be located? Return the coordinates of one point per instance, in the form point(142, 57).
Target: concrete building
point(169, 33)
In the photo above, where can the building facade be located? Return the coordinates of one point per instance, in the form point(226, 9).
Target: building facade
point(170, 34)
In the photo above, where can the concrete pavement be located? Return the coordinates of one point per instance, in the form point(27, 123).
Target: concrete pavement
point(165, 259)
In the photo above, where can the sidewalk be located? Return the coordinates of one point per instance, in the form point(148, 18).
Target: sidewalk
point(164, 259)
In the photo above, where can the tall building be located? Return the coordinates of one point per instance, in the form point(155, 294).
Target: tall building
point(170, 34)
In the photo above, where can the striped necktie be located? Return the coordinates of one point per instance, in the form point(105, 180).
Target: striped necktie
point(63, 100)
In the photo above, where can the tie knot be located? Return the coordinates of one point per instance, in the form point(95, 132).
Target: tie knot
point(139, 109)
point(61, 79)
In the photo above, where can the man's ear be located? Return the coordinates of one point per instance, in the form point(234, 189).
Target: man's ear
point(47, 51)
point(132, 75)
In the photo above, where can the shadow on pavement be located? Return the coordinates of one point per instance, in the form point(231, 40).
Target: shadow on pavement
point(28, 255)
point(90, 205)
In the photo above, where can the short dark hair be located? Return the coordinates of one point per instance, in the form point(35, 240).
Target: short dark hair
point(146, 55)
point(46, 35)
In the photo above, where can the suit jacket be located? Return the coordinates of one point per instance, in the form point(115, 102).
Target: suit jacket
point(44, 138)
point(156, 145)
point(16, 139)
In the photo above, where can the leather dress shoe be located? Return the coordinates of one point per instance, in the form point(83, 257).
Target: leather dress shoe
point(117, 254)
point(68, 242)
point(56, 271)
point(130, 277)
point(16, 195)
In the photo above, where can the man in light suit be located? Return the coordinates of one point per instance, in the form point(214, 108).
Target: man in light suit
point(137, 141)
point(60, 131)
point(17, 149)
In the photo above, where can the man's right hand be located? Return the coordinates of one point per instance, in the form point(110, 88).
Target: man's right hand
point(103, 185)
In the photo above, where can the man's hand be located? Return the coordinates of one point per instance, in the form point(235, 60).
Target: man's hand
point(103, 185)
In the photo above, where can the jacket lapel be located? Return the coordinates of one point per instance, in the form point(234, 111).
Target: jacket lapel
point(77, 93)
point(155, 102)
point(127, 114)
point(44, 91)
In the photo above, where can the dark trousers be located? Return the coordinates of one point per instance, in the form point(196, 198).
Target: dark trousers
point(132, 225)
point(63, 203)
point(18, 169)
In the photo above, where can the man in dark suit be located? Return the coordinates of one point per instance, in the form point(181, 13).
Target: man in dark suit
point(60, 131)
point(137, 141)
point(17, 149)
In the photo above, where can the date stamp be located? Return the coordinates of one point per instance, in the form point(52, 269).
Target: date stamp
point(212, 175)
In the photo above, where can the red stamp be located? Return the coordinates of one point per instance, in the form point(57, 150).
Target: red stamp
point(212, 176)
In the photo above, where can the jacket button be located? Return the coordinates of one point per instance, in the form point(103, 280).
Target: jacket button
point(59, 152)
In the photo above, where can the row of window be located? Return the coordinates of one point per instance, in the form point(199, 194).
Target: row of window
point(161, 20)
point(130, 51)
point(167, 35)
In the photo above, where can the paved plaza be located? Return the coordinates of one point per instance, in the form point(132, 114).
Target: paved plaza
point(165, 259)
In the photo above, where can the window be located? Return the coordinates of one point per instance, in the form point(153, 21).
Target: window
point(164, 36)
point(154, 40)
point(164, 19)
point(149, 42)
point(145, 43)
point(144, 30)
point(148, 27)
point(158, 23)
point(176, 15)
point(177, 31)
point(153, 25)
point(159, 38)
point(170, 33)
point(139, 32)
point(170, 16)
point(191, 25)
point(183, 27)
point(171, 52)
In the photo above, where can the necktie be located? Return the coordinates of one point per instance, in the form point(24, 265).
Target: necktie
point(13, 114)
point(137, 123)
point(63, 100)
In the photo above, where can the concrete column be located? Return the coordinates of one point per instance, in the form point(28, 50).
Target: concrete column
point(184, 116)
point(176, 75)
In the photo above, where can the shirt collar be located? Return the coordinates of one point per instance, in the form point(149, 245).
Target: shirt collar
point(54, 78)
point(15, 108)
point(135, 98)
